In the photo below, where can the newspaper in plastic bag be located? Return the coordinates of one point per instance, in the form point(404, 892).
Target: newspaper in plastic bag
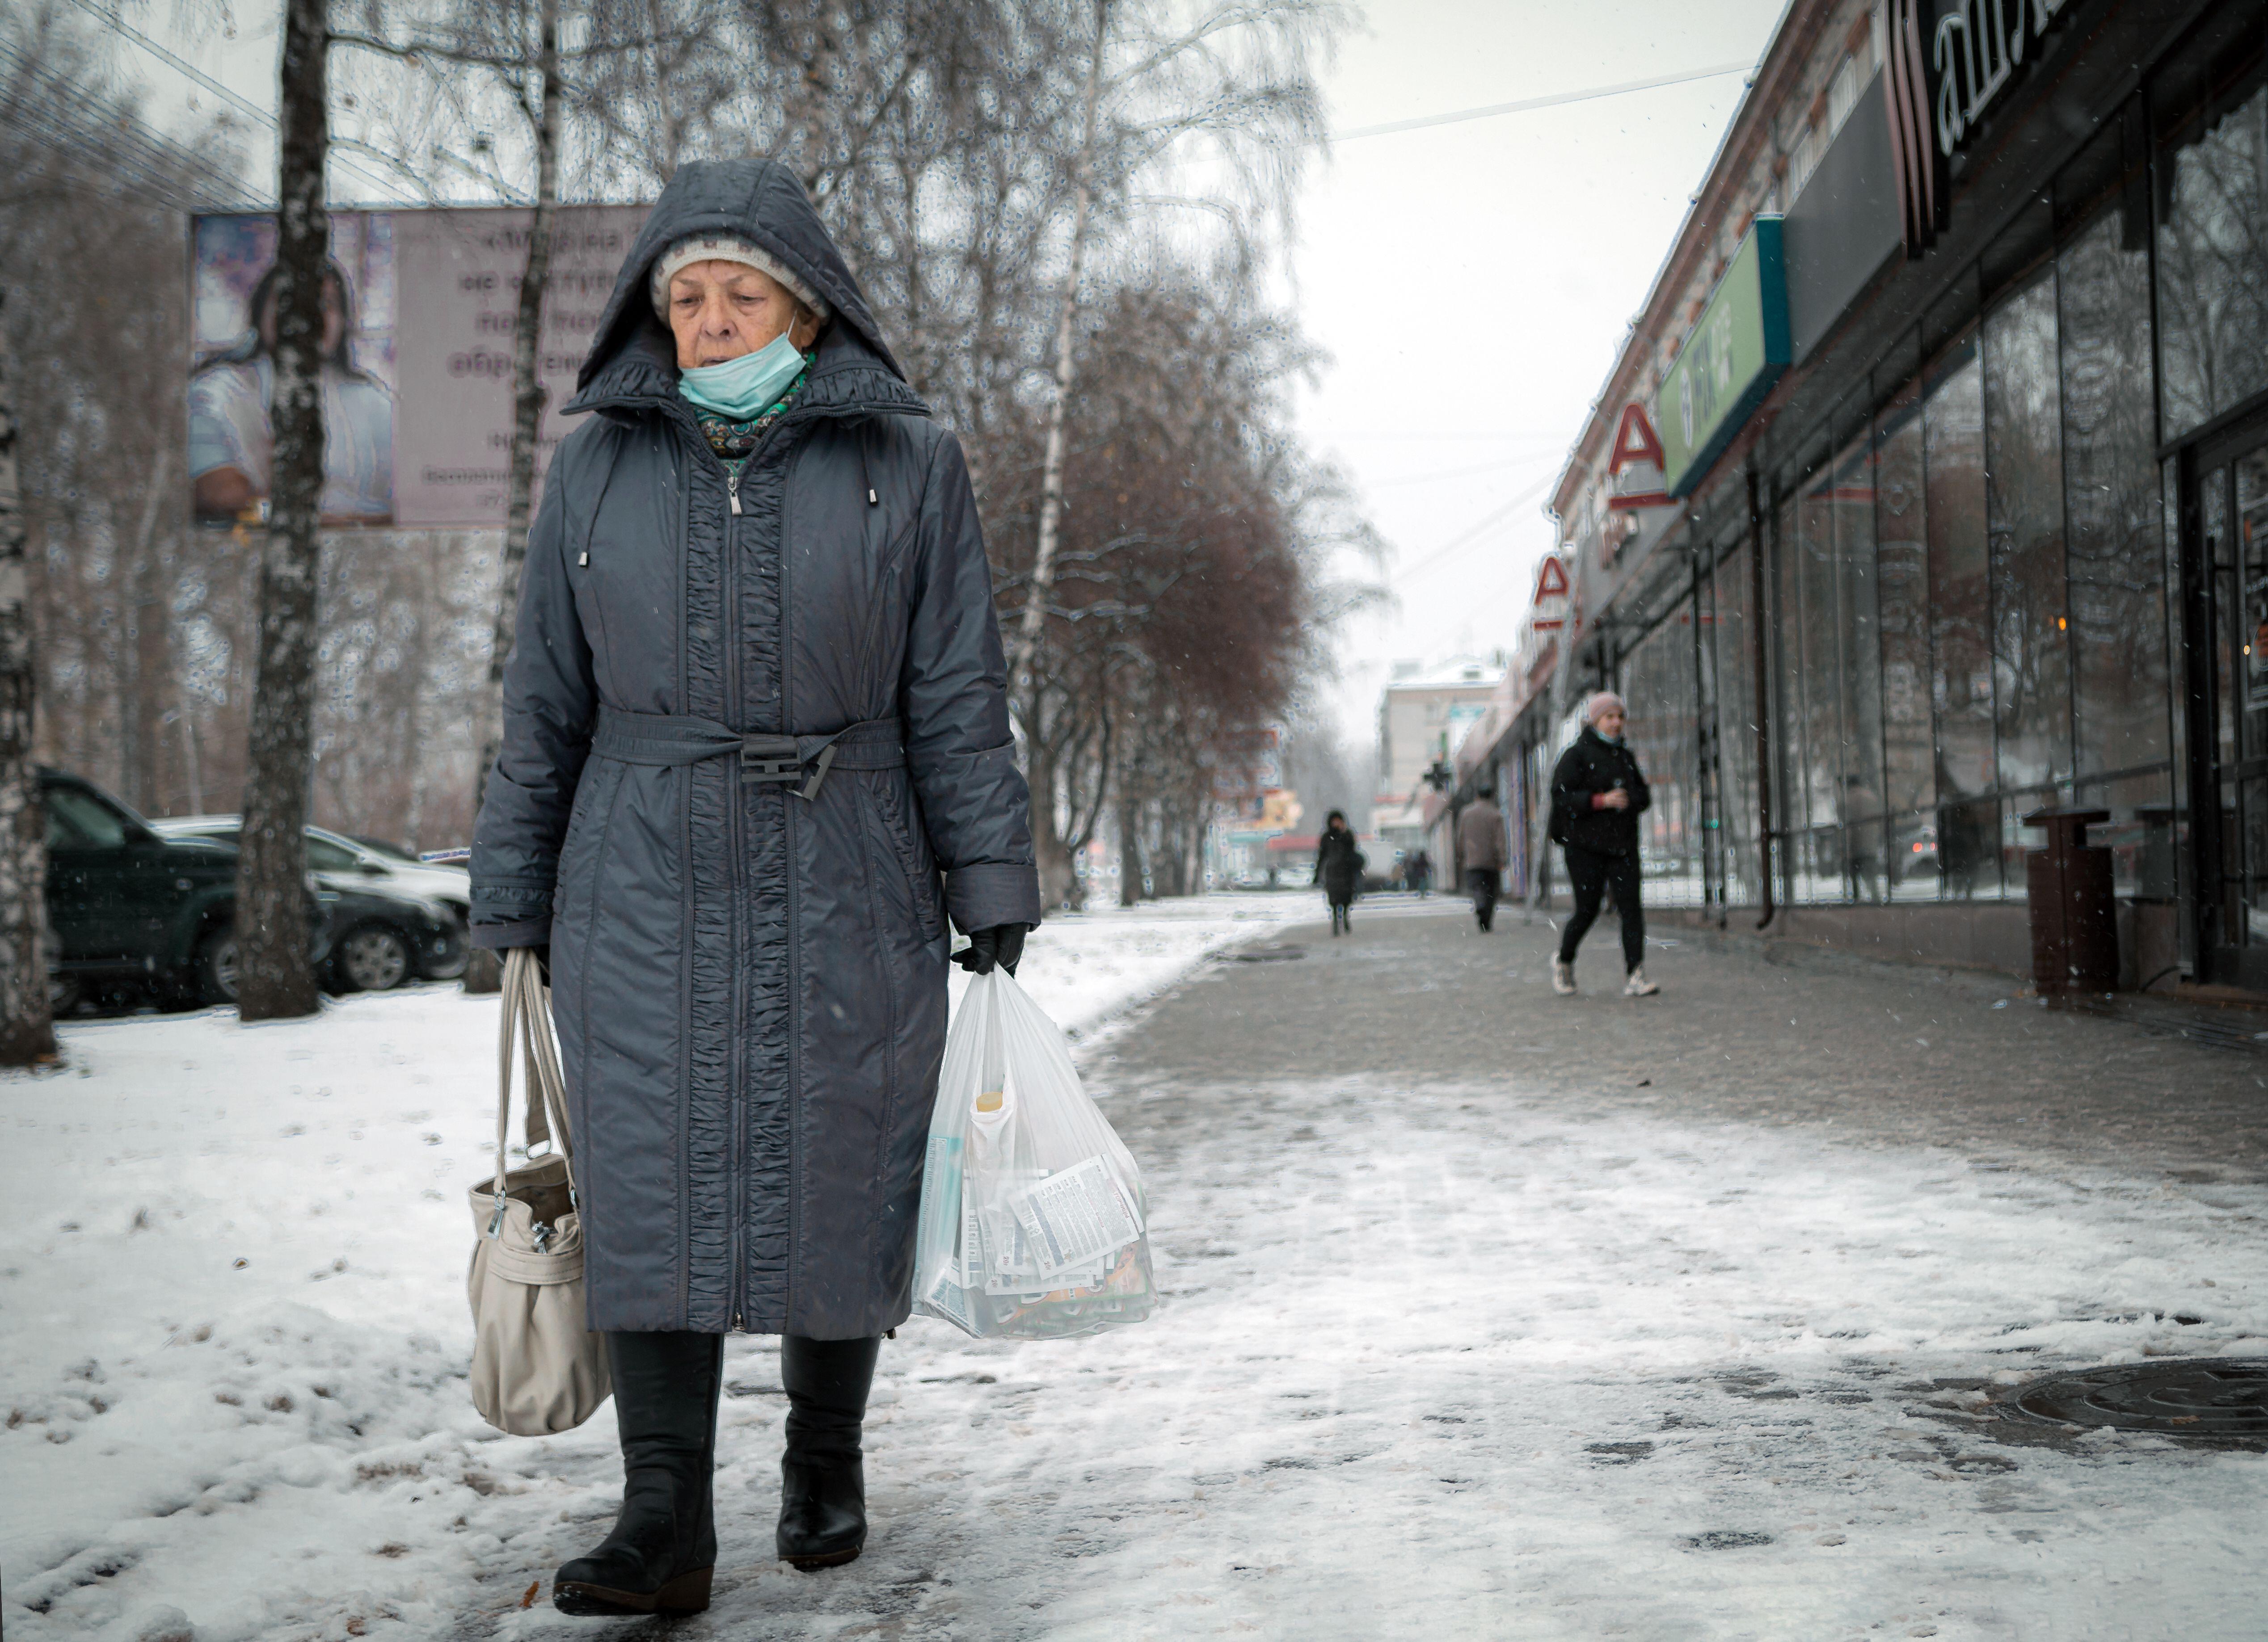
point(1031, 1219)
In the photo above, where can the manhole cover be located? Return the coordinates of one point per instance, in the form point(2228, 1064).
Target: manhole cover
point(2195, 1396)
point(1264, 955)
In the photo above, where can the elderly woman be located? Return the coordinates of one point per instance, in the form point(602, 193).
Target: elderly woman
point(756, 752)
point(1597, 795)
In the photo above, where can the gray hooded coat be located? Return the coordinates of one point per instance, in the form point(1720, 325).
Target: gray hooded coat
point(747, 729)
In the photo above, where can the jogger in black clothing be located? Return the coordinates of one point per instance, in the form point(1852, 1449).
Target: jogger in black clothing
point(1590, 872)
point(1597, 795)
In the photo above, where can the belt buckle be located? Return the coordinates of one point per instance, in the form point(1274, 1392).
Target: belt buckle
point(770, 758)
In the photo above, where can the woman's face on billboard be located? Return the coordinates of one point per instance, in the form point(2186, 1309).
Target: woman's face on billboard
point(334, 320)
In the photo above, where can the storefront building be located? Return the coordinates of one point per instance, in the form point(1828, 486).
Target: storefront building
point(1928, 488)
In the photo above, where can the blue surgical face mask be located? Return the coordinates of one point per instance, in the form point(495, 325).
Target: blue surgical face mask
point(746, 388)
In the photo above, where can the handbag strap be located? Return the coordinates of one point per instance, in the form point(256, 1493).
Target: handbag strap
point(527, 1014)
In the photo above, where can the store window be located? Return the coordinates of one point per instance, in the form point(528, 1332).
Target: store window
point(2170, 515)
point(1789, 811)
point(1908, 730)
point(1659, 683)
point(1902, 576)
point(1860, 676)
point(1820, 629)
point(2120, 682)
point(2023, 455)
point(1967, 846)
point(2210, 110)
point(1735, 642)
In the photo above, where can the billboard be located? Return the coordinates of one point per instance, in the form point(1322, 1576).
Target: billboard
point(418, 309)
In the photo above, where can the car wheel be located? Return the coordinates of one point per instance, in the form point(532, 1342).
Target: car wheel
point(216, 963)
point(374, 959)
point(63, 994)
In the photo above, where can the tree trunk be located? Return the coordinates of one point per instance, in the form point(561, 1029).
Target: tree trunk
point(1129, 851)
point(1058, 873)
point(1051, 469)
point(484, 971)
point(141, 648)
point(275, 978)
point(27, 1034)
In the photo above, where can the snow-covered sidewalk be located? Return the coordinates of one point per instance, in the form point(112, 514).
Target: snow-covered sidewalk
point(1442, 1357)
point(231, 1318)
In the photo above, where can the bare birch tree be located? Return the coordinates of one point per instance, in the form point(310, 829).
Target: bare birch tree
point(275, 978)
point(1044, 555)
point(27, 1034)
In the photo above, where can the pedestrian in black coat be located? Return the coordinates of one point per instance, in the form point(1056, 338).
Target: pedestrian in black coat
point(1597, 795)
point(1338, 869)
point(755, 753)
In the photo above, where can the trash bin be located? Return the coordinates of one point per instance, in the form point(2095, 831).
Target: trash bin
point(2074, 908)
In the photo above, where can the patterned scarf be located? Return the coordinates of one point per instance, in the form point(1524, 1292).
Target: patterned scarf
point(735, 441)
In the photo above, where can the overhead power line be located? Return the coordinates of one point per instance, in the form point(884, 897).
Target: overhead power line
point(1495, 516)
point(1442, 472)
point(115, 158)
point(1522, 106)
point(119, 26)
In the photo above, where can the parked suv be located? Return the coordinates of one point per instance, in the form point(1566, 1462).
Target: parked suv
point(128, 906)
point(388, 922)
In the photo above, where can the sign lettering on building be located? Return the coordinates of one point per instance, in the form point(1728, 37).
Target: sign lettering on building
point(1549, 604)
point(1635, 465)
point(1737, 352)
point(1948, 66)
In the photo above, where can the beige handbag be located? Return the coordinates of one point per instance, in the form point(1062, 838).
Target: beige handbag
point(535, 1369)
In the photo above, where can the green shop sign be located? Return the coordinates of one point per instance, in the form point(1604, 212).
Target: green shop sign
point(1728, 363)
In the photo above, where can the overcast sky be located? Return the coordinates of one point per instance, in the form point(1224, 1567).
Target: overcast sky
point(1469, 281)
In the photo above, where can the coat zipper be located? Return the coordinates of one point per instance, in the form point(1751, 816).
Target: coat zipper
point(735, 705)
point(794, 942)
point(737, 797)
point(728, 626)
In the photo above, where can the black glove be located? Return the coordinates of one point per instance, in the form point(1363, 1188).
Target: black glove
point(1002, 943)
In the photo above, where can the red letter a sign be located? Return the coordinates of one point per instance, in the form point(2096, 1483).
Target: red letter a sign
point(1635, 441)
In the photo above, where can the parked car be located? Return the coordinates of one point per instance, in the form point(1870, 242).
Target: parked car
point(447, 873)
point(130, 908)
point(1913, 852)
point(383, 865)
point(380, 938)
point(388, 922)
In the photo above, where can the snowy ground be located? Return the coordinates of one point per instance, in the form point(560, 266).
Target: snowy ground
point(1442, 1358)
point(230, 1262)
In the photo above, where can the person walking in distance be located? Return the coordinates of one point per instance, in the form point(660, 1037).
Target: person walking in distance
point(1480, 849)
point(1338, 869)
point(756, 753)
point(1597, 795)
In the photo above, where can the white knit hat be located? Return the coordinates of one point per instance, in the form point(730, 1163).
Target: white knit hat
point(728, 248)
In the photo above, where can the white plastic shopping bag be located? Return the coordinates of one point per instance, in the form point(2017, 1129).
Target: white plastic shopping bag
point(1032, 1219)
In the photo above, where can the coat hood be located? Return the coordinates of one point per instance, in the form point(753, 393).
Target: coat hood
point(760, 200)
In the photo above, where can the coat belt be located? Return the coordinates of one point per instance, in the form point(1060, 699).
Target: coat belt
point(677, 738)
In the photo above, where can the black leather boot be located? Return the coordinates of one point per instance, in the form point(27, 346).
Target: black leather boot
point(660, 1557)
point(822, 1474)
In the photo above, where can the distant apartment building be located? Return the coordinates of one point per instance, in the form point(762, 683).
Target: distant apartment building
point(1422, 715)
